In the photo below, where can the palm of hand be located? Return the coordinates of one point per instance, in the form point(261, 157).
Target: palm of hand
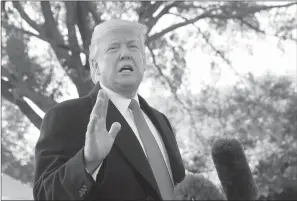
point(103, 141)
point(99, 141)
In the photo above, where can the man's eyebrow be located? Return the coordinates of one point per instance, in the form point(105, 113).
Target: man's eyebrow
point(116, 42)
point(132, 41)
point(113, 42)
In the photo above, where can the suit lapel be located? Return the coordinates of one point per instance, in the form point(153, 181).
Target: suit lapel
point(127, 142)
point(158, 120)
point(129, 145)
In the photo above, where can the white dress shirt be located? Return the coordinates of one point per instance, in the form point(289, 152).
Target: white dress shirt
point(122, 104)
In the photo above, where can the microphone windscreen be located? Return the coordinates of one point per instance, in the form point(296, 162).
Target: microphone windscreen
point(197, 187)
point(233, 170)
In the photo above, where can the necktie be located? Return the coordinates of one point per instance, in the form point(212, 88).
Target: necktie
point(153, 152)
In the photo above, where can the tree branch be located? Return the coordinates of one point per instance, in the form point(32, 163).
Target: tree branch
point(83, 23)
point(80, 76)
point(219, 53)
point(20, 89)
point(51, 31)
point(146, 12)
point(48, 14)
point(178, 25)
point(258, 30)
point(70, 22)
point(154, 7)
point(25, 16)
point(208, 14)
point(7, 92)
point(52, 42)
point(171, 28)
point(147, 9)
point(189, 111)
point(141, 11)
point(96, 15)
point(56, 40)
point(261, 8)
point(11, 27)
point(164, 11)
point(72, 38)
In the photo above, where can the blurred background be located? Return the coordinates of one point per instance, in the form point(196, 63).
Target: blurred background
point(216, 69)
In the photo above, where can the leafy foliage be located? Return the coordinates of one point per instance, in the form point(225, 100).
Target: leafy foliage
point(265, 122)
point(16, 151)
point(197, 187)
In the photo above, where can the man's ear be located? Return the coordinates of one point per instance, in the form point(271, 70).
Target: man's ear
point(95, 70)
point(95, 66)
point(98, 72)
point(93, 62)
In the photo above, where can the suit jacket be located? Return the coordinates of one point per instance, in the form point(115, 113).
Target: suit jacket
point(125, 173)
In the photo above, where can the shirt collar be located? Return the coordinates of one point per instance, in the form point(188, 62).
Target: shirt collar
point(121, 102)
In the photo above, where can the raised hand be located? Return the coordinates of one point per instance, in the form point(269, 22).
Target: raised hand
point(98, 140)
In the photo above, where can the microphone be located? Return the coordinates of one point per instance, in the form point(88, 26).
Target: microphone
point(197, 187)
point(233, 170)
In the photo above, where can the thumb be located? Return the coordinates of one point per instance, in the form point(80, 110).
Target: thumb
point(114, 130)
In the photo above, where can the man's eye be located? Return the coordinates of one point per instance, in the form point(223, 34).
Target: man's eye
point(133, 46)
point(112, 48)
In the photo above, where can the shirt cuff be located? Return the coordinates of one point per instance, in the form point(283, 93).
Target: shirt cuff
point(94, 174)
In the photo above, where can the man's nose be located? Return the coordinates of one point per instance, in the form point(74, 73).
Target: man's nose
point(125, 53)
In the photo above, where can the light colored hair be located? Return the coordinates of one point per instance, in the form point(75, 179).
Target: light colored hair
point(103, 29)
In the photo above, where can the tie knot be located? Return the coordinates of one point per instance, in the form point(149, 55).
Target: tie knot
point(133, 105)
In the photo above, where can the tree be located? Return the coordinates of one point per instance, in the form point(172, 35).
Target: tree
point(263, 117)
point(17, 158)
point(64, 29)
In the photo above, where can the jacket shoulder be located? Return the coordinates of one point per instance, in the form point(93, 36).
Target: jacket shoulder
point(69, 112)
point(75, 104)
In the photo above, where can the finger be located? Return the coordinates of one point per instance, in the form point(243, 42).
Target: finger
point(105, 107)
point(92, 123)
point(114, 130)
point(98, 105)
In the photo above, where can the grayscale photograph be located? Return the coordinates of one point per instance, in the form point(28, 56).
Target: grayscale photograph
point(149, 100)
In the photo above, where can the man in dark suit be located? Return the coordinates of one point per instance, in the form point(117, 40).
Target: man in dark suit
point(109, 144)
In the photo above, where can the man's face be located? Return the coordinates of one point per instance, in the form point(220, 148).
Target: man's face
point(121, 61)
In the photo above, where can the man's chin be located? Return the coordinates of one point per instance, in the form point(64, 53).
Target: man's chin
point(128, 84)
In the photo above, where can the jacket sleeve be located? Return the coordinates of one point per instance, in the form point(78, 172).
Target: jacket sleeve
point(60, 173)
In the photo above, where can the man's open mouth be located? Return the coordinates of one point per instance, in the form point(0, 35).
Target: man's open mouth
point(126, 69)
